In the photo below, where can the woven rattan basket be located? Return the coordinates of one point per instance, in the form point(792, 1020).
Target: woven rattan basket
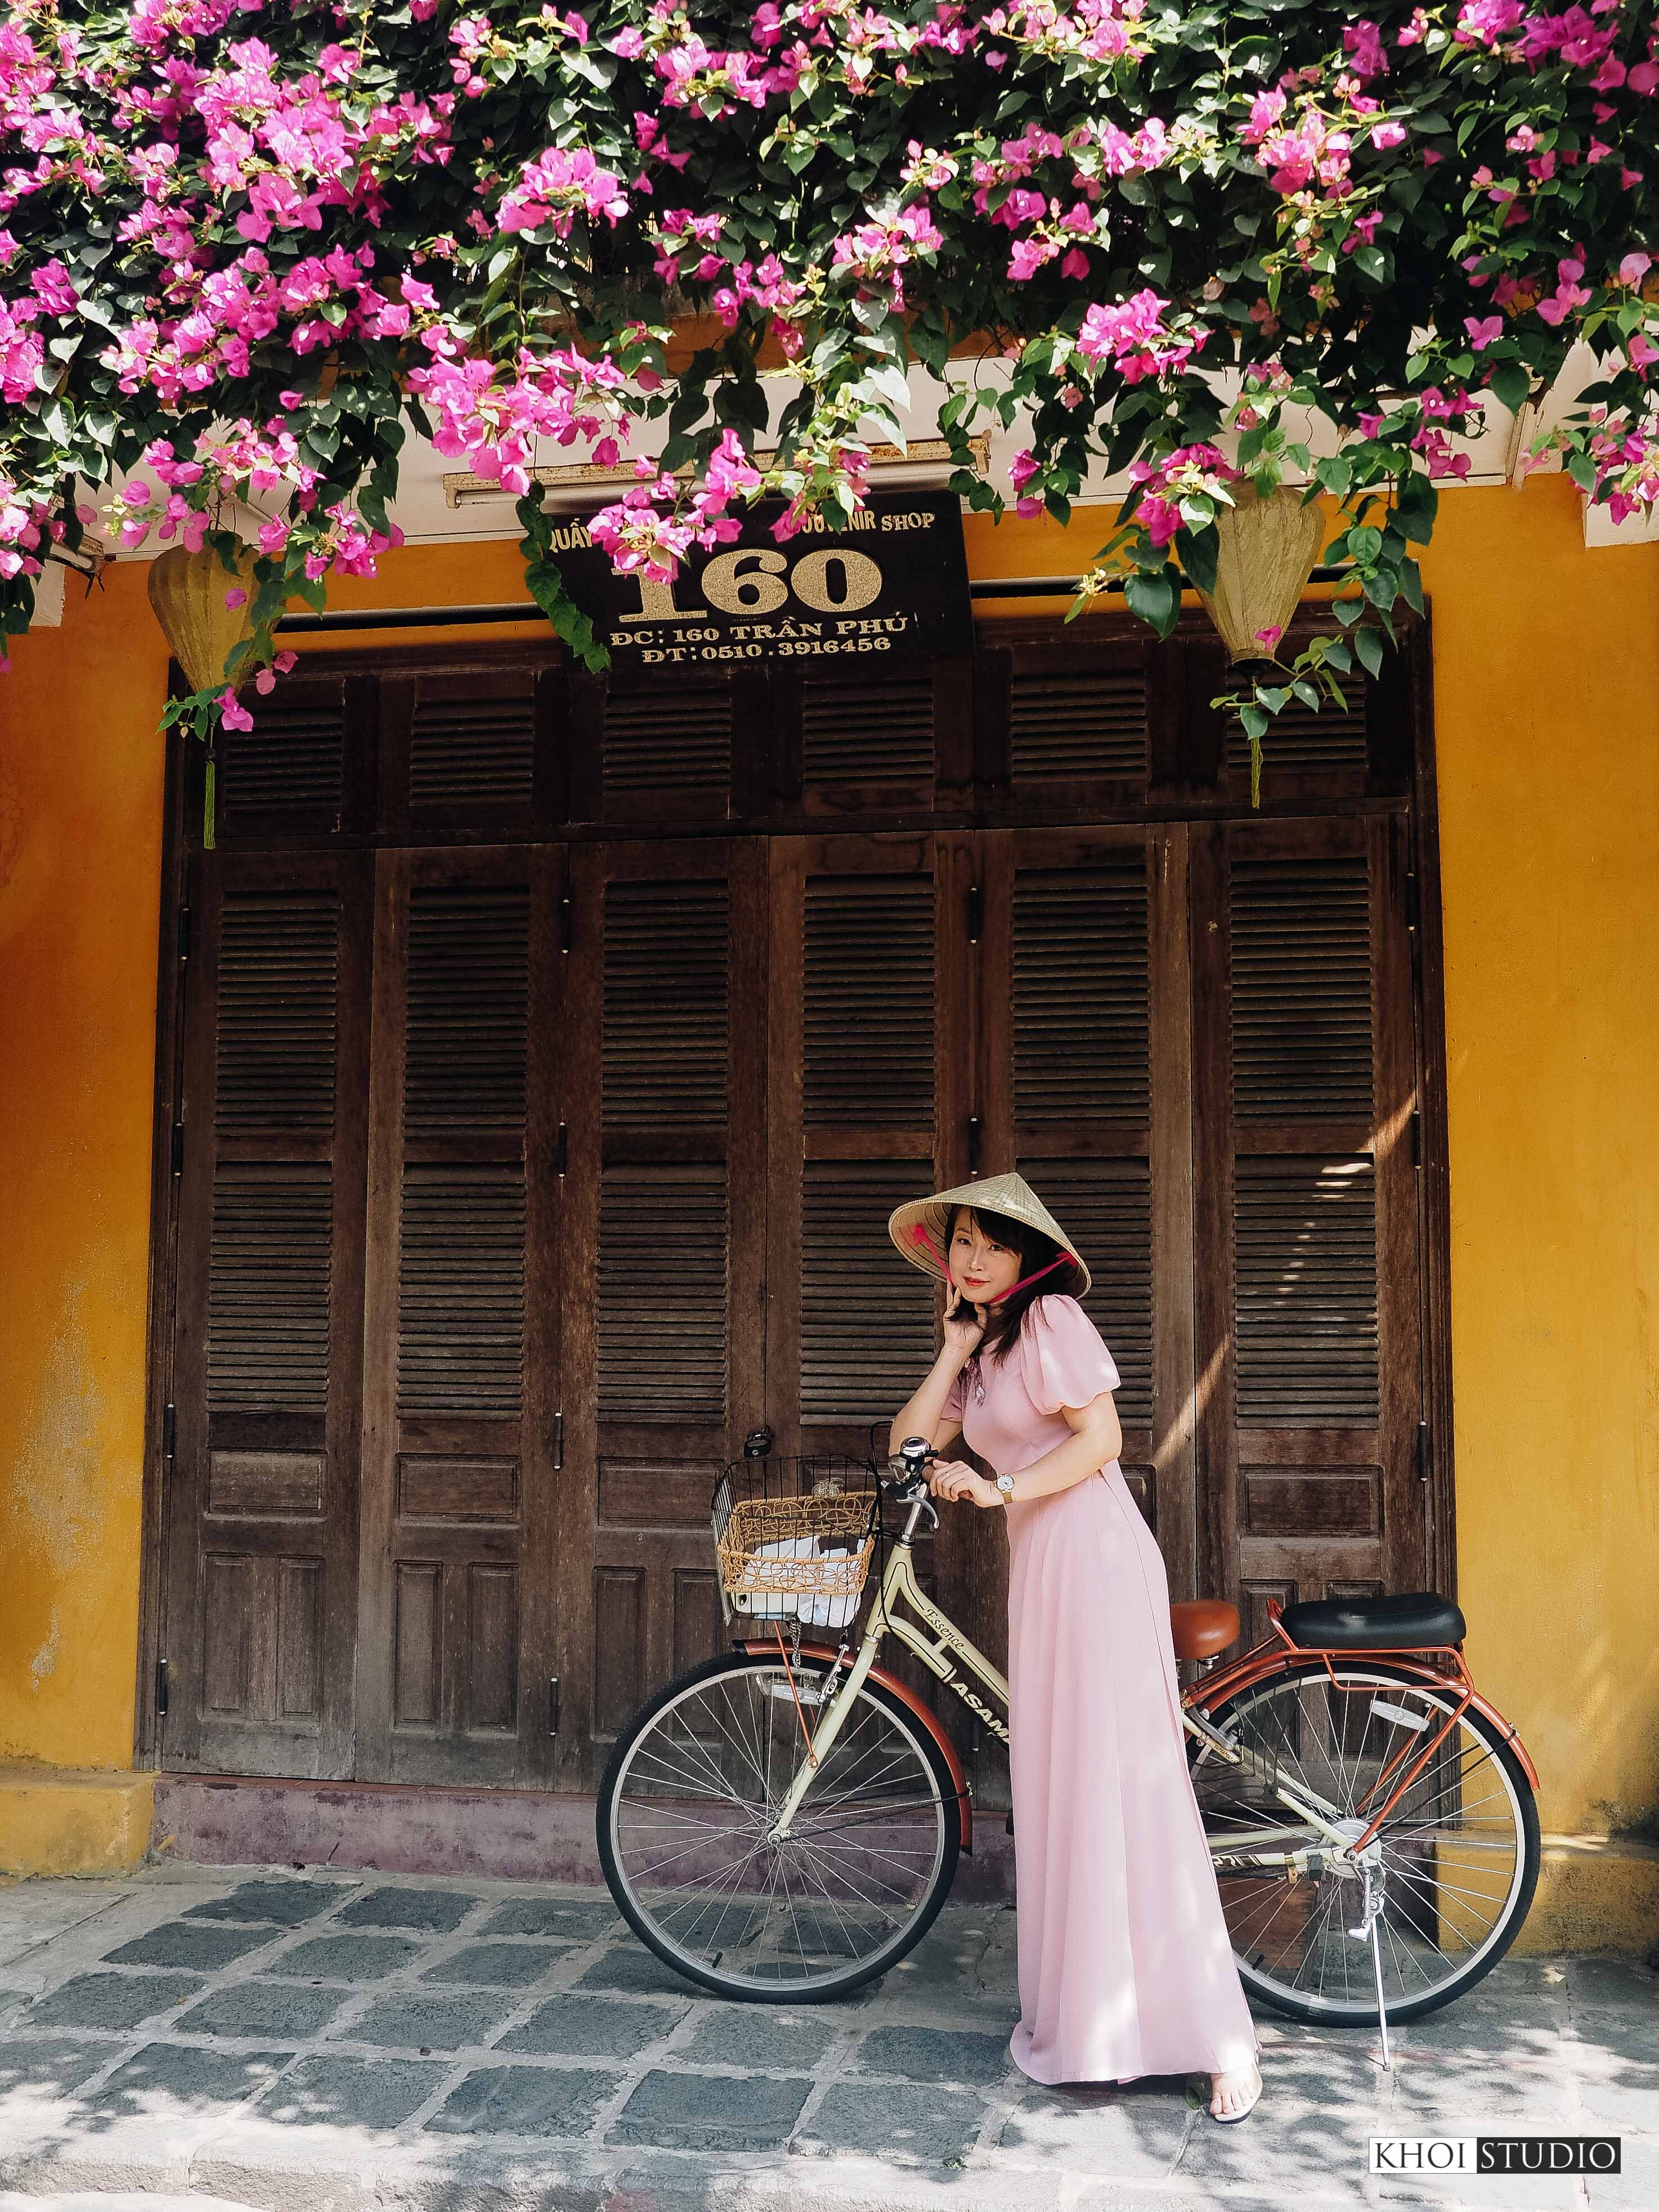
point(797, 1547)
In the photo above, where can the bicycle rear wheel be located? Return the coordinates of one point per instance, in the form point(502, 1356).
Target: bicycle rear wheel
point(1457, 1858)
point(689, 1798)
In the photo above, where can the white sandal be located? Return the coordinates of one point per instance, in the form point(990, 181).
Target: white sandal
point(1232, 2119)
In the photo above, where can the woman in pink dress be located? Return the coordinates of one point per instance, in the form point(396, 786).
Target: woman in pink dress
point(1125, 1964)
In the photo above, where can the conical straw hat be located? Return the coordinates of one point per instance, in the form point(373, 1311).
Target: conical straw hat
point(912, 1225)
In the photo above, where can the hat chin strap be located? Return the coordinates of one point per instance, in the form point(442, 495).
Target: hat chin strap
point(919, 1235)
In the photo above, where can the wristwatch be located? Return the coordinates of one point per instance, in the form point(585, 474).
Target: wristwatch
point(1005, 1485)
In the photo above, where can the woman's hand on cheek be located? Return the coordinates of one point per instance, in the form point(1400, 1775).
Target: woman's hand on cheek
point(955, 1479)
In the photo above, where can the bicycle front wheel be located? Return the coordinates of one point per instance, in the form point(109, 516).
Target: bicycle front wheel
point(684, 1820)
point(1456, 1862)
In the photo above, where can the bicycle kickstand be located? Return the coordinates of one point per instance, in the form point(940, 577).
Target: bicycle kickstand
point(1371, 1913)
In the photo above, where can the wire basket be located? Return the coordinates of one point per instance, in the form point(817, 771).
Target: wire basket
point(794, 1537)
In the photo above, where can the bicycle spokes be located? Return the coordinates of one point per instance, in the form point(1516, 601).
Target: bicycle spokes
point(693, 1827)
point(1434, 1892)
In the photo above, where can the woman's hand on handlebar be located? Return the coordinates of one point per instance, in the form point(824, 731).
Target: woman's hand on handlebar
point(964, 1324)
point(955, 1479)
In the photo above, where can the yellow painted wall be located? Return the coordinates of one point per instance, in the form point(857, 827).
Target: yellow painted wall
point(80, 874)
point(1546, 695)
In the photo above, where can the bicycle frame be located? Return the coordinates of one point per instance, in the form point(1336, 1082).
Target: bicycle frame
point(939, 1657)
point(948, 1647)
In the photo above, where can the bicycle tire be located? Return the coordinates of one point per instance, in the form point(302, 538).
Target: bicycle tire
point(1516, 1906)
point(823, 1989)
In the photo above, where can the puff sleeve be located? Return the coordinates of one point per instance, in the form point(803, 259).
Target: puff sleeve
point(1063, 1360)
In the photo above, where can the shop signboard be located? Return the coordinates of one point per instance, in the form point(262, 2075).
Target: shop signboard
point(893, 577)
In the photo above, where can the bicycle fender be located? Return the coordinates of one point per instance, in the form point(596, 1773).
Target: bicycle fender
point(928, 1720)
point(1443, 1683)
point(1482, 1705)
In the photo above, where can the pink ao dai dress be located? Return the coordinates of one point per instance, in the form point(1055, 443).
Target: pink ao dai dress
point(1125, 1966)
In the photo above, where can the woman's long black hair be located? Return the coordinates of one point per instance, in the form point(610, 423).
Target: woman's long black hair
point(1035, 1250)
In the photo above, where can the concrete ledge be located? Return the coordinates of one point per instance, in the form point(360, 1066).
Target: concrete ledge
point(68, 1820)
point(508, 1835)
point(1594, 1893)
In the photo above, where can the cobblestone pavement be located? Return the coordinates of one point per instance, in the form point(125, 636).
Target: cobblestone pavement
point(325, 2043)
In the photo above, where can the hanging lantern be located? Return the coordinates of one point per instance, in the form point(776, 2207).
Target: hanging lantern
point(1268, 549)
point(187, 590)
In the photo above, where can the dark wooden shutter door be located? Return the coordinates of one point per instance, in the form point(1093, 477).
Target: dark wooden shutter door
point(462, 1331)
point(1086, 1046)
point(871, 1100)
point(665, 1279)
point(870, 1095)
point(261, 1501)
point(1307, 1261)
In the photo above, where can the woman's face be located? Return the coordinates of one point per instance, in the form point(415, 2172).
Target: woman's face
point(982, 1269)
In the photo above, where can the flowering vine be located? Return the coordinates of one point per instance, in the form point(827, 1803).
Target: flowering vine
point(243, 246)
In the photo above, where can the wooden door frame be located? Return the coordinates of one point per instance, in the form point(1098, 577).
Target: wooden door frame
point(1172, 801)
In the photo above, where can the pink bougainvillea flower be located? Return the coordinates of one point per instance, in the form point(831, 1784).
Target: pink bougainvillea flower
point(1483, 330)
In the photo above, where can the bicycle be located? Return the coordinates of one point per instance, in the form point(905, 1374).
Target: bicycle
point(1354, 1784)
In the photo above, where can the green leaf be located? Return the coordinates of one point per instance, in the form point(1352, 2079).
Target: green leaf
point(1368, 644)
point(1198, 551)
point(1512, 383)
point(1155, 599)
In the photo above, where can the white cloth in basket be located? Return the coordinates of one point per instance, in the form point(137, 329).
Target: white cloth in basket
point(818, 1609)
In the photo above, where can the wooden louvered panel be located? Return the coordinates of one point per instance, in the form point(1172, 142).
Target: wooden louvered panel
point(868, 1012)
point(469, 979)
point(866, 1323)
point(1080, 994)
point(1305, 1290)
point(667, 740)
point(471, 752)
point(667, 1024)
point(1075, 723)
point(662, 1293)
point(460, 1291)
point(1107, 1207)
point(1304, 741)
point(278, 986)
point(1301, 990)
point(292, 756)
point(855, 732)
point(268, 1268)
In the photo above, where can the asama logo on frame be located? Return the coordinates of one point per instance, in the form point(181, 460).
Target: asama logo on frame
point(1508, 2155)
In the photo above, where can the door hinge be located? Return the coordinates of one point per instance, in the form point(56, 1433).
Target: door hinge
point(973, 1144)
point(552, 1704)
point(558, 1440)
point(1414, 903)
point(184, 934)
point(976, 912)
point(169, 1430)
point(562, 1159)
point(1422, 1451)
point(1417, 1137)
point(160, 1689)
point(178, 1148)
point(565, 925)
